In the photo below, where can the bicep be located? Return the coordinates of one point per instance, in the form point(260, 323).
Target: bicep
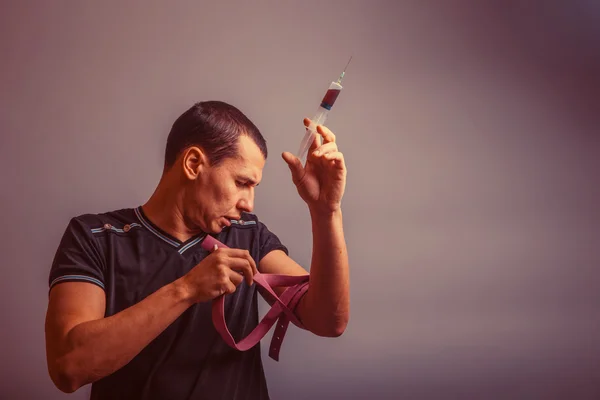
point(70, 304)
point(277, 262)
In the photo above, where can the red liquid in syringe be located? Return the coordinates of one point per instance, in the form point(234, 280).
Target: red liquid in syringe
point(329, 98)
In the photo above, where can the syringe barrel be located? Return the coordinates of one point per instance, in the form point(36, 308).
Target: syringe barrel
point(319, 118)
point(311, 130)
point(331, 95)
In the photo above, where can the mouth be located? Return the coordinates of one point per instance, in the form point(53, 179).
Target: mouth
point(227, 220)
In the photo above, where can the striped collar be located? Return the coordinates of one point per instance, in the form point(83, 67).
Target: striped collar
point(155, 230)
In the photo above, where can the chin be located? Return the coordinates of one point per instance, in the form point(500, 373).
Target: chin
point(217, 228)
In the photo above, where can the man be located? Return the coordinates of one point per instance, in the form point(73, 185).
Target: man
point(131, 290)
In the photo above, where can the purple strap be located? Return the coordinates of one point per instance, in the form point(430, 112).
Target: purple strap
point(281, 312)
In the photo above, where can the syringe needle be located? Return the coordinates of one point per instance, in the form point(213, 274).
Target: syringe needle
point(344, 71)
point(348, 63)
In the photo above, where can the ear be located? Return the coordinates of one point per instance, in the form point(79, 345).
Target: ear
point(194, 161)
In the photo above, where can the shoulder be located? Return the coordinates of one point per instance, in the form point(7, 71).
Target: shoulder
point(266, 239)
point(250, 226)
point(116, 220)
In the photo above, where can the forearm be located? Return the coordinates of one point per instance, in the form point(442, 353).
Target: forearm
point(95, 349)
point(325, 308)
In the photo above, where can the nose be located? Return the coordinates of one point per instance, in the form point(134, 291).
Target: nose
point(246, 203)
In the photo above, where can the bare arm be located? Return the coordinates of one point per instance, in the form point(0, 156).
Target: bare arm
point(82, 346)
point(325, 308)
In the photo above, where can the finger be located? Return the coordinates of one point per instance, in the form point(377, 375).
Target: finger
point(242, 270)
point(335, 158)
point(241, 265)
point(317, 155)
point(295, 166)
point(252, 264)
point(233, 252)
point(253, 269)
point(228, 288)
point(315, 141)
point(235, 277)
point(324, 131)
point(316, 138)
point(245, 265)
point(330, 147)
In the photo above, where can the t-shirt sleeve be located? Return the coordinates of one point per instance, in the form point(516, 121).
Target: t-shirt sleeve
point(78, 257)
point(269, 241)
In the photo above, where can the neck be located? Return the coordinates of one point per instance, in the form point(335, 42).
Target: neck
point(165, 209)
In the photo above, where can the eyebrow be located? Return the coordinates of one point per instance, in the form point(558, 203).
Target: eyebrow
point(249, 180)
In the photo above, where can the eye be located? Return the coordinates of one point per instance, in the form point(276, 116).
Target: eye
point(240, 183)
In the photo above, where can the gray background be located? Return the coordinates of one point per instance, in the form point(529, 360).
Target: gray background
point(470, 131)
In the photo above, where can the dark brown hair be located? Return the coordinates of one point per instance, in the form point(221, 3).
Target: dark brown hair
point(215, 126)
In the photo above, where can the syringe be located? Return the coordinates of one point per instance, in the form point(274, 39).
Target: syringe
point(321, 115)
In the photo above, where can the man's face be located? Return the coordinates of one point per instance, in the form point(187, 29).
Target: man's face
point(223, 192)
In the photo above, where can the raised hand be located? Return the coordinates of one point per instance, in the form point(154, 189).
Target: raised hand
point(322, 180)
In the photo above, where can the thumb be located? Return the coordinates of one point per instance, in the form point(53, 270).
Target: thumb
point(294, 164)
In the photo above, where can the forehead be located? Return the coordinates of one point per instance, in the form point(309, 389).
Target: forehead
point(250, 160)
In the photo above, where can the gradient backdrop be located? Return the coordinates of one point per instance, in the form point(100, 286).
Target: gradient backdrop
point(471, 134)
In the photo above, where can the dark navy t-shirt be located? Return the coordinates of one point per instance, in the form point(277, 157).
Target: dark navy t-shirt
point(129, 257)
